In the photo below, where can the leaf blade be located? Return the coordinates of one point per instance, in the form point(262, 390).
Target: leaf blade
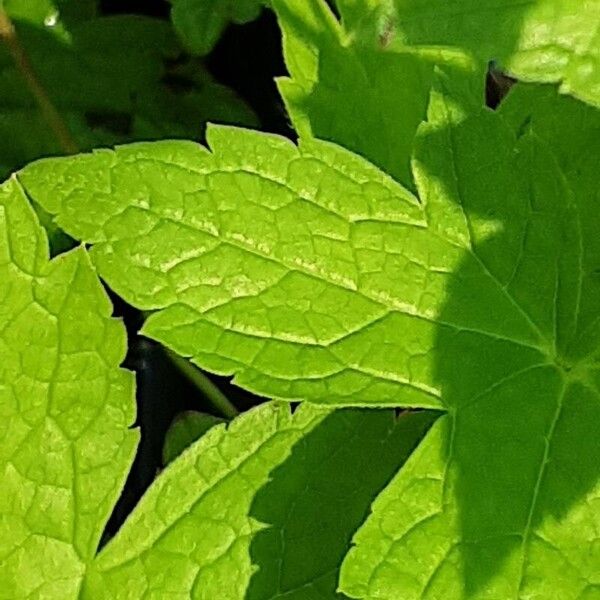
point(214, 522)
point(66, 405)
point(544, 41)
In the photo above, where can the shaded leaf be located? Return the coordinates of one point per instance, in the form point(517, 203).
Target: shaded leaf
point(550, 41)
point(201, 22)
point(355, 94)
point(501, 499)
point(110, 80)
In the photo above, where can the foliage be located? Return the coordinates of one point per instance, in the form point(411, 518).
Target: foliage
point(185, 429)
point(426, 253)
point(201, 22)
point(544, 40)
point(113, 79)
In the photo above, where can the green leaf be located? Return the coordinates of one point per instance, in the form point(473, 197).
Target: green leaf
point(319, 496)
point(252, 294)
point(572, 130)
point(213, 516)
point(547, 41)
point(309, 274)
point(220, 523)
point(507, 485)
point(191, 533)
point(54, 15)
point(130, 92)
point(186, 428)
point(201, 22)
point(354, 94)
point(65, 446)
point(40, 13)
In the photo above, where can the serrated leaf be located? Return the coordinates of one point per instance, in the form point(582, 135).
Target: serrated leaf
point(220, 523)
point(65, 446)
point(216, 277)
point(550, 41)
point(354, 94)
point(201, 22)
point(311, 275)
point(306, 321)
point(191, 533)
point(214, 516)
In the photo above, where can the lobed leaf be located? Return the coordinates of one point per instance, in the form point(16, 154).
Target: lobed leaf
point(221, 523)
point(242, 286)
point(355, 94)
point(501, 500)
point(65, 446)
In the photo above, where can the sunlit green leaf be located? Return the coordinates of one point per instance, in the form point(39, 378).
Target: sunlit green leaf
point(310, 275)
point(66, 408)
point(540, 40)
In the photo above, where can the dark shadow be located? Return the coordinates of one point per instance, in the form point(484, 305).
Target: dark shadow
point(161, 393)
point(247, 58)
point(524, 446)
point(497, 86)
point(152, 8)
point(317, 499)
point(121, 78)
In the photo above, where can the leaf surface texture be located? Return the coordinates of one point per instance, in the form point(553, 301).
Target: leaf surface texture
point(309, 274)
point(65, 446)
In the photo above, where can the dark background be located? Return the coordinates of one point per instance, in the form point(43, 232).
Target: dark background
point(247, 58)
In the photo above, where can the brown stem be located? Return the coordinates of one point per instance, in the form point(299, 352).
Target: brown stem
point(9, 36)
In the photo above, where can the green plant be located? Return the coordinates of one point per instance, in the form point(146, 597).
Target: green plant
point(413, 249)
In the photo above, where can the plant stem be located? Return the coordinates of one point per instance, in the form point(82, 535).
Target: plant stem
point(204, 384)
point(52, 117)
